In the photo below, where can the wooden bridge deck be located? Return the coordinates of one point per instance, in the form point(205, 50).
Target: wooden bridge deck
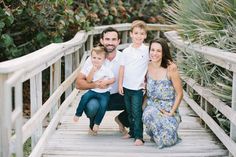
point(72, 139)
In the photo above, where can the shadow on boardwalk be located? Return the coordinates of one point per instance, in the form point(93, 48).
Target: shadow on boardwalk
point(72, 140)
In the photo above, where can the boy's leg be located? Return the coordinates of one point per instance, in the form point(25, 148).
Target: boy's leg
point(127, 98)
point(103, 101)
point(83, 101)
point(91, 110)
point(117, 102)
point(136, 107)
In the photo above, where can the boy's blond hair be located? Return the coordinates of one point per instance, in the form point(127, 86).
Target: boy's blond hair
point(139, 23)
point(99, 50)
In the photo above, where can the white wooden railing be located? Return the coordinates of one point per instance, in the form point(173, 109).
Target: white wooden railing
point(14, 132)
point(220, 58)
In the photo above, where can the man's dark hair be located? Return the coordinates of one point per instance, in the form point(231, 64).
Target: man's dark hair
point(109, 29)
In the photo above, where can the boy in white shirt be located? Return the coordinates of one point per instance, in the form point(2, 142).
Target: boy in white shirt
point(131, 79)
point(95, 72)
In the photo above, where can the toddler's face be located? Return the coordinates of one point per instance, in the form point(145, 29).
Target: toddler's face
point(97, 59)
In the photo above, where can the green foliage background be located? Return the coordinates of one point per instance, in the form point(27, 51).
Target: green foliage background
point(210, 23)
point(28, 25)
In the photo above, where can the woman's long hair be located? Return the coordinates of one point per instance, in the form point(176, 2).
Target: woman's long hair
point(166, 56)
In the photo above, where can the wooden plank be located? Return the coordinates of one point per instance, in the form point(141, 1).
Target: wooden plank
point(89, 43)
point(6, 126)
point(9, 83)
point(52, 125)
point(224, 138)
point(3, 78)
point(19, 123)
point(133, 154)
point(212, 99)
point(55, 81)
point(216, 56)
point(35, 104)
point(68, 71)
point(31, 124)
point(233, 105)
point(124, 37)
point(43, 55)
point(196, 141)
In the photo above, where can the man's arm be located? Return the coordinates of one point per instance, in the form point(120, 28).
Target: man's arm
point(83, 84)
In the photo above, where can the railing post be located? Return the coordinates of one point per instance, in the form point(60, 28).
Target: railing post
point(81, 51)
point(4, 130)
point(124, 37)
point(19, 121)
point(76, 59)
point(90, 42)
point(55, 81)
point(1, 118)
point(158, 34)
point(68, 71)
point(233, 105)
point(203, 104)
point(36, 103)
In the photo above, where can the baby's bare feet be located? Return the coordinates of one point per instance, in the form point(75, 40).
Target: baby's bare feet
point(95, 128)
point(91, 132)
point(76, 119)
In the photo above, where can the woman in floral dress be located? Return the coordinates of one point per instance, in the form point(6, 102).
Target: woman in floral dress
point(164, 94)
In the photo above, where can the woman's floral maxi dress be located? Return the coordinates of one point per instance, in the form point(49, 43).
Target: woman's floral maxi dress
point(161, 128)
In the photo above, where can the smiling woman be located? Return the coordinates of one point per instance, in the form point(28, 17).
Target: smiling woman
point(164, 94)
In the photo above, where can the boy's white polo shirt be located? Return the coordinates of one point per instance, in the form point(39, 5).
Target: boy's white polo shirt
point(114, 65)
point(103, 73)
point(135, 61)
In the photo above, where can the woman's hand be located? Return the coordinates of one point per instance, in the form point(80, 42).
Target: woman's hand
point(171, 113)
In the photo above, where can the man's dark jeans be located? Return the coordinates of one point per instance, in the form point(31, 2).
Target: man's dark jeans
point(116, 103)
point(133, 103)
point(102, 98)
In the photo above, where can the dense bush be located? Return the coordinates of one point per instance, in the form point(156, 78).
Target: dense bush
point(26, 26)
point(210, 23)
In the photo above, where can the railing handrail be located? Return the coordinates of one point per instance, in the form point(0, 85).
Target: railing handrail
point(48, 52)
point(31, 67)
point(56, 50)
point(217, 56)
point(221, 58)
point(51, 55)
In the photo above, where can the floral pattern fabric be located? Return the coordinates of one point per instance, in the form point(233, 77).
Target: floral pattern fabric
point(161, 128)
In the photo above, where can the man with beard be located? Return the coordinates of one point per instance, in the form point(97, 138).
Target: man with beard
point(110, 39)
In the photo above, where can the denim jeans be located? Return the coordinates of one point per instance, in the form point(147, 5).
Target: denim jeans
point(133, 103)
point(103, 99)
point(116, 103)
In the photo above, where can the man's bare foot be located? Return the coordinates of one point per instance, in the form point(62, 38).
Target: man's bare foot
point(126, 136)
point(76, 119)
point(121, 126)
point(138, 142)
point(95, 128)
point(91, 132)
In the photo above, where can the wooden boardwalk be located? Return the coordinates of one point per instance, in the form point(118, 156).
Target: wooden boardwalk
point(72, 140)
